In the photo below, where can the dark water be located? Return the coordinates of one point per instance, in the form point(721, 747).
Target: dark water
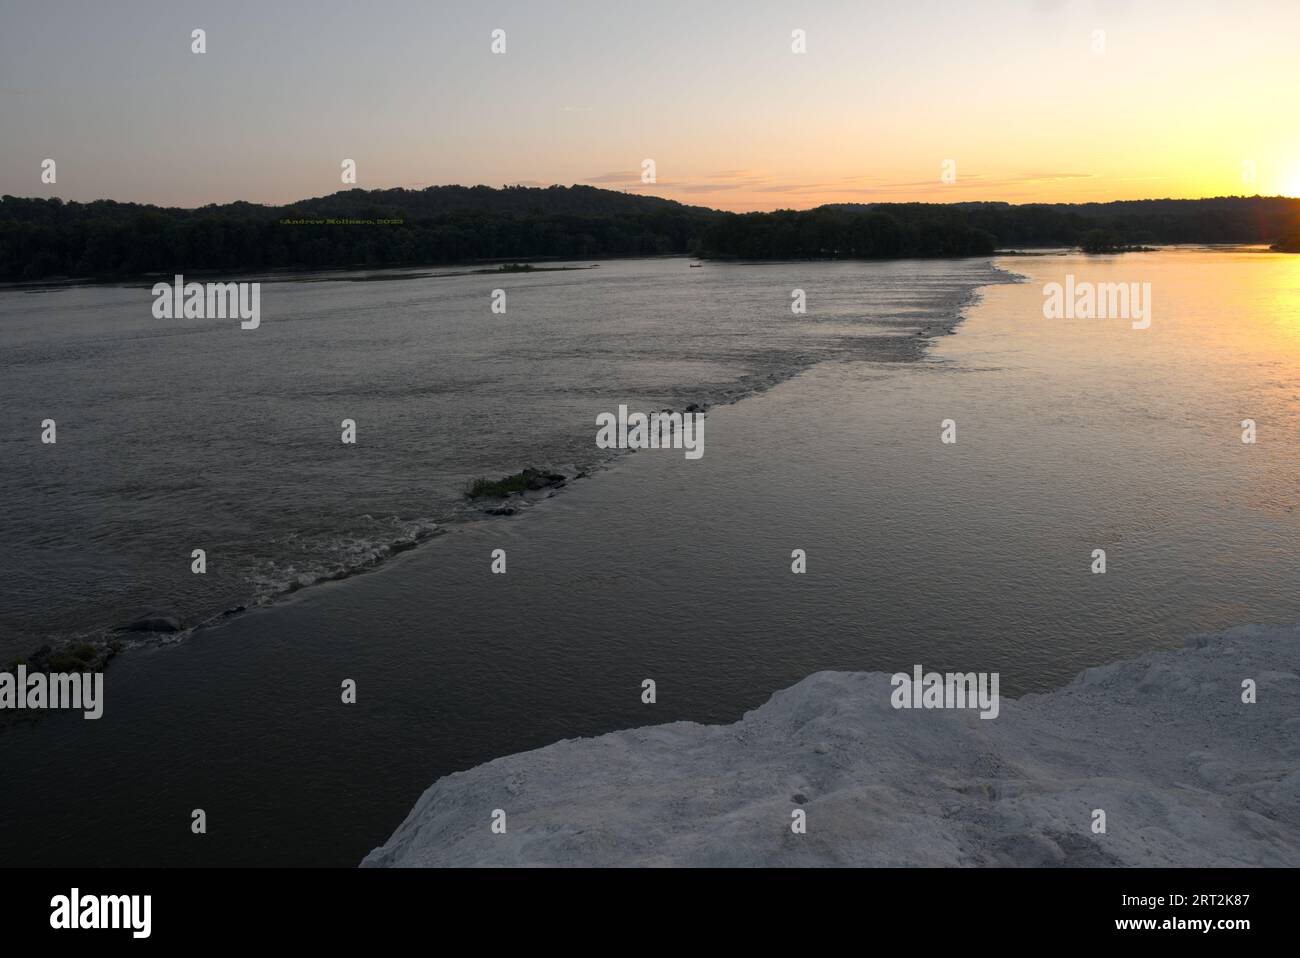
point(972, 556)
point(175, 435)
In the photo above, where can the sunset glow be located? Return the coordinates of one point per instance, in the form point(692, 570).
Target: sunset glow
point(1032, 100)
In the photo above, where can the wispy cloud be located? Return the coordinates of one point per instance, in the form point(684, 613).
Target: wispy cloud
point(730, 186)
point(628, 177)
point(708, 187)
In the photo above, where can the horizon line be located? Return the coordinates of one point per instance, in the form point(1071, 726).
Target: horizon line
point(539, 187)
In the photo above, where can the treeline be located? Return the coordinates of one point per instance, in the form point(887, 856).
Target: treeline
point(46, 238)
point(41, 238)
point(972, 229)
point(1227, 219)
point(835, 233)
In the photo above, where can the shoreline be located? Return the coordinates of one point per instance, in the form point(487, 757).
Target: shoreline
point(1207, 781)
point(406, 271)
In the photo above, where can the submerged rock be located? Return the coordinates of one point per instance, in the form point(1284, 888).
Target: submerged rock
point(153, 623)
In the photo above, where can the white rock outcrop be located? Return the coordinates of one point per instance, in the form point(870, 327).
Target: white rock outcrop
point(1186, 773)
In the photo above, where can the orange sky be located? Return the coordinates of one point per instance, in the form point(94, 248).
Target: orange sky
point(1031, 100)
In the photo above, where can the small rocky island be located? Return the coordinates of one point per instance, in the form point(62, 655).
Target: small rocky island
point(1287, 244)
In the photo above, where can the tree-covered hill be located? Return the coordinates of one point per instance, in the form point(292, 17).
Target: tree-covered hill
point(42, 238)
point(1225, 219)
point(47, 238)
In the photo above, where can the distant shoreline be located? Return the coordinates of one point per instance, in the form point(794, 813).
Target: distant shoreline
point(452, 225)
point(291, 274)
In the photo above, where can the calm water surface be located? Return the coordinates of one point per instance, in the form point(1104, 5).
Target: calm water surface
point(1072, 435)
point(182, 434)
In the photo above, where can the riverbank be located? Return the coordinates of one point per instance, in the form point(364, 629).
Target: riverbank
point(1183, 771)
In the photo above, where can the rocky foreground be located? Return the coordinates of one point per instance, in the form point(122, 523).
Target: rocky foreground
point(1185, 772)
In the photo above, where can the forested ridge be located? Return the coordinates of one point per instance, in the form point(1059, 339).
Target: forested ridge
point(42, 238)
point(49, 238)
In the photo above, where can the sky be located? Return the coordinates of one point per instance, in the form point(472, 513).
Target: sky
point(926, 100)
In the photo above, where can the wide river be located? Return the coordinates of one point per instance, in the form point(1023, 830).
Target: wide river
point(1073, 435)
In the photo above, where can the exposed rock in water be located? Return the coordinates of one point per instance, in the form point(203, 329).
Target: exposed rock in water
point(530, 480)
point(542, 480)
